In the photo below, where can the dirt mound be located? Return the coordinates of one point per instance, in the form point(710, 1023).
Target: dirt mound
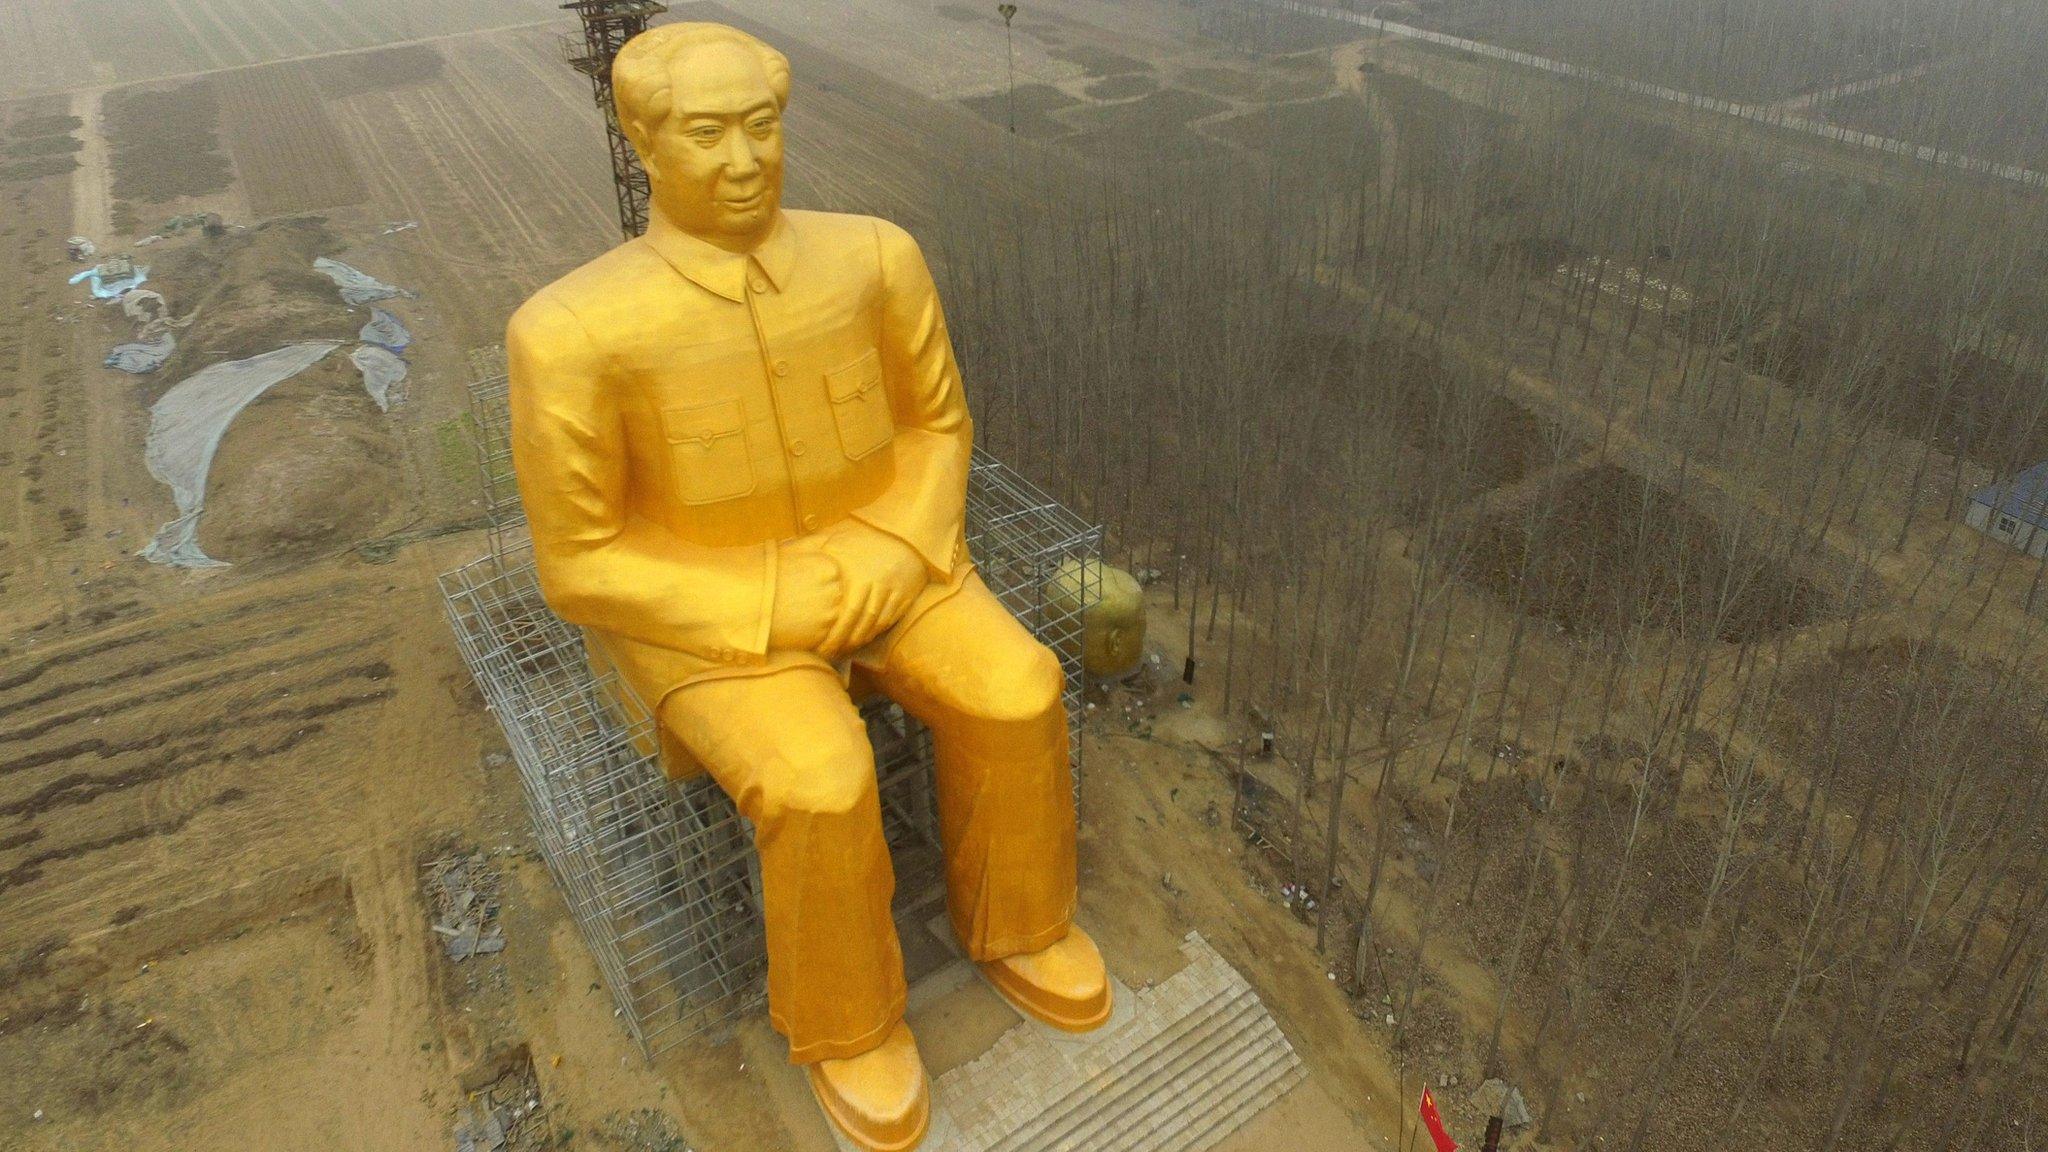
point(308, 469)
point(250, 291)
point(1605, 551)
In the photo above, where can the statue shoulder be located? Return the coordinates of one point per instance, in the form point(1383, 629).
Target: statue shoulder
point(850, 233)
point(576, 305)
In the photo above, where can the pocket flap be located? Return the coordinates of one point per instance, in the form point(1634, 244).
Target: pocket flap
point(860, 376)
point(703, 423)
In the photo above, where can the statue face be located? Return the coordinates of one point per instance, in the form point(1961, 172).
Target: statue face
point(715, 164)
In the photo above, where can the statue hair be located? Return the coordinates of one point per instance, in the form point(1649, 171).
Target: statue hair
point(643, 73)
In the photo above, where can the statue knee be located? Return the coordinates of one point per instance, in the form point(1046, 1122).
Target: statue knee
point(828, 772)
point(1022, 683)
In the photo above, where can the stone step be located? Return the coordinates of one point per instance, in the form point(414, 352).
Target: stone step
point(1187, 1062)
point(1181, 1088)
point(1195, 1105)
point(1285, 1075)
point(1128, 1078)
point(1223, 1111)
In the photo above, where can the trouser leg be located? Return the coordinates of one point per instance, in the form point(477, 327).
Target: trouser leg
point(792, 752)
point(990, 693)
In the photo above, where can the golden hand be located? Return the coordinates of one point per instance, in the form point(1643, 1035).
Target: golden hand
point(879, 577)
point(808, 591)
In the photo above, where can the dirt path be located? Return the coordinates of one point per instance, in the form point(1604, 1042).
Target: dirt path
point(1348, 60)
point(224, 66)
point(92, 182)
point(1772, 116)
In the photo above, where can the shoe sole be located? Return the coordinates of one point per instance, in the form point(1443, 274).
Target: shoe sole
point(924, 1119)
point(1021, 1001)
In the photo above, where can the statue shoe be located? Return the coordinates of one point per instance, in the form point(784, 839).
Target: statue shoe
point(879, 1099)
point(1063, 984)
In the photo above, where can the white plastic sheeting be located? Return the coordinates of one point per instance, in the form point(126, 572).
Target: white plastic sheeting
point(153, 343)
point(145, 355)
point(357, 286)
point(385, 331)
point(382, 373)
point(107, 284)
point(185, 428)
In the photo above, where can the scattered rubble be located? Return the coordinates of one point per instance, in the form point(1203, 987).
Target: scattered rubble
point(464, 891)
point(641, 1130)
point(505, 1115)
point(1499, 1098)
point(113, 277)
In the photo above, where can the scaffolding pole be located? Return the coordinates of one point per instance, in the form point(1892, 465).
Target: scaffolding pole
point(607, 25)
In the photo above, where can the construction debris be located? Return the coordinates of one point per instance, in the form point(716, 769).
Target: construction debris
point(505, 1115)
point(1498, 1098)
point(642, 1130)
point(113, 277)
point(208, 223)
point(464, 890)
point(81, 249)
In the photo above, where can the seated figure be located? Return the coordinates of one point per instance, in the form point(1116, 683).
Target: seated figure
point(743, 450)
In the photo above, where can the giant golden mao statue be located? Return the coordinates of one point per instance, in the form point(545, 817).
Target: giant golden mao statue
point(743, 450)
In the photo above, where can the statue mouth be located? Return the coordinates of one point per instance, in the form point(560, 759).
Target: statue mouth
point(743, 203)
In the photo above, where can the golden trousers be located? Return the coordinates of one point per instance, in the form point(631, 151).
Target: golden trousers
point(792, 752)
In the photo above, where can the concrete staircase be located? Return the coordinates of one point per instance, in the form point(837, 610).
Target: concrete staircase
point(1191, 1061)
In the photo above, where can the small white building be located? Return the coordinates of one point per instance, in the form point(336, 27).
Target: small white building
point(2014, 510)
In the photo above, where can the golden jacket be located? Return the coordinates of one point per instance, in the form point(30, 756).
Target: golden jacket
point(680, 413)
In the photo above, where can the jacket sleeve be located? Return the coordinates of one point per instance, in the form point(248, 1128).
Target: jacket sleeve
point(600, 565)
point(926, 506)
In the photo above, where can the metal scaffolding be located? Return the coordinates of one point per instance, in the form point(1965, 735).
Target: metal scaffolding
point(607, 25)
point(661, 876)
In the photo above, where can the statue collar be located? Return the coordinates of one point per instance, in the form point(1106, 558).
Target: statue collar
point(725, 273)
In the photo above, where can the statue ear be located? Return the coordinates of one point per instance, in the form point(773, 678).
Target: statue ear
point(652, 113)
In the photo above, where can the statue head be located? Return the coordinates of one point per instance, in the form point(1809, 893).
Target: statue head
point(702, 105)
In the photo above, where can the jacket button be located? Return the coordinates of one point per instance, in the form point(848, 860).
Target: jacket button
point(796, 447)
point(810, 522)
point(782, 367)
point(760, 285)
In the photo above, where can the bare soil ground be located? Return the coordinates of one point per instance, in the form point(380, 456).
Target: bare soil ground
point(1563, 556)
point(217, 790)
point(289, 154)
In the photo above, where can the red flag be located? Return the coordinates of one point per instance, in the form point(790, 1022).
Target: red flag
point(1434, 1121)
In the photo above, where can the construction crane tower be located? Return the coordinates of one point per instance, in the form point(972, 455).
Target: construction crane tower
point(607, 25)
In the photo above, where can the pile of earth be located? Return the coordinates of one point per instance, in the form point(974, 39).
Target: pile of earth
point(250, 290)
point(310, 467)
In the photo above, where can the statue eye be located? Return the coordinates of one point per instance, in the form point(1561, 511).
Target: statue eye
point(706, 133)
point(763, 126)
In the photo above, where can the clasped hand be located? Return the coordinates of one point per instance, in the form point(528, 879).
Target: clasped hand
point(841, 588)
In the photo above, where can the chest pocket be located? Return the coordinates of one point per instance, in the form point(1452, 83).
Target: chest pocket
point(707, 448)
point(860, 406)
